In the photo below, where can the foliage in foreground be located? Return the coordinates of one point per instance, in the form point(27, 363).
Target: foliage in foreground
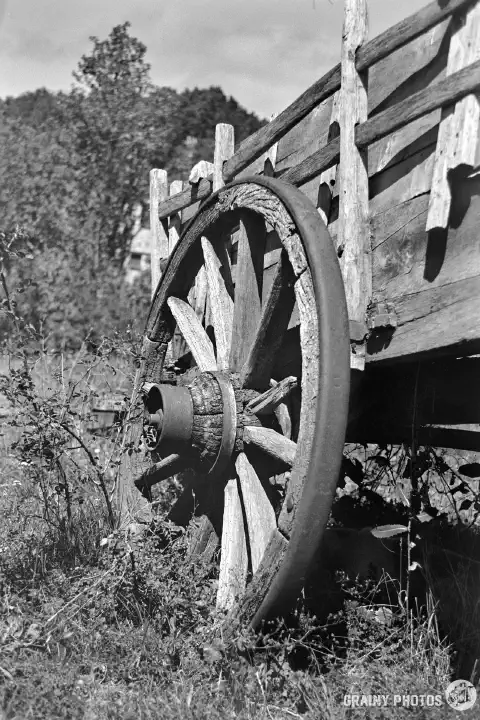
point(123, 636)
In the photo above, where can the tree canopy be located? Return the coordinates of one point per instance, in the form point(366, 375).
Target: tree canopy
point(74, 165)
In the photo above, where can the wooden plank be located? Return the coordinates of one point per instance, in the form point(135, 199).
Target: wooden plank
point(224, 149)
point(328, 178)
point(443, 319)
point(308, 135)
point(442, 93)
point(440, 195)
point(373, 52)
point(175, 220)
point(233, 558)
point(353, 220)
point(159, 247)
point(467, 112)
point(270, 161)
point(406, 261)
point(271, 442)
point(263, 165)
point(408, 70)
point(186, 198)
point(397, 184)
point(382, 46)
point(408, 110)
point(259, 512)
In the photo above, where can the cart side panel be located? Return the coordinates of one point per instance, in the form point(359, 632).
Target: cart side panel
point(432, 282)
point(404, 72)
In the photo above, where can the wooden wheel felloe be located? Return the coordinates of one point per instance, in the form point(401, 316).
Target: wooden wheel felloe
point(260, 414)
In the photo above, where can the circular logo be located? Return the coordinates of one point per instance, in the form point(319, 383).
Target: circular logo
point(461, 695)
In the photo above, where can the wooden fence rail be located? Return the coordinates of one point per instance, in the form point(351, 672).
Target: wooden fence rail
point(445, 92)
point(371, 53)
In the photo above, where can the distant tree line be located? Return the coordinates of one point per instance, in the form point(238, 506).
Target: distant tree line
point(73, 166)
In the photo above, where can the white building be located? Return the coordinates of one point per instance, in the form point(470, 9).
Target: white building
point(138, 260)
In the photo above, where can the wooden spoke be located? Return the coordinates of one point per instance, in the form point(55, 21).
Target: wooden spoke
point(233, 558)
point(271, 442)
point(260, 514)
point(257, 370)
point(203, 541)
point(282, 413)
point(200, 293)
point(221, 304)
point(258, 588)
point(272, 398)
point(162, 470)
point(194, 334)
point(248, 287)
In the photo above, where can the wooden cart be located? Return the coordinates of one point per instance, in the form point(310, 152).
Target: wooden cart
point(322, 284)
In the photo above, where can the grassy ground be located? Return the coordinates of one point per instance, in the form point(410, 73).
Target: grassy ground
point(90, 628)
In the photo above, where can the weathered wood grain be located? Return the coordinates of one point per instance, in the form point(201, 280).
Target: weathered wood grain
point(194, 334)
point(186, 198)
point(159, 247)
point(200, 293)
point(394, 38)
point(373, 52)
point(247, 309)
point(328, 178)
point(306, 302)
point(224, 149)
point(201, 171)
point(266, 403)
point(467, 112)
point(459, 55)
point(257, 590)
point(443, 319)
point(271, 442)
point(221, 304)
point(406, 260)
point(175, 220)
point(257, 370)
point(233, 558)
point(442, 93)
point(259, 512)
point(162, 470)
point(354, 238)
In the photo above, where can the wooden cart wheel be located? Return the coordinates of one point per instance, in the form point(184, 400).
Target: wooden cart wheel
point(260, 417)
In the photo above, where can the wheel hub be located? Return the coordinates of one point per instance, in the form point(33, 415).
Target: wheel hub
point(197, 421)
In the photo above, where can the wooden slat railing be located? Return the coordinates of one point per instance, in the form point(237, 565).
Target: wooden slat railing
point(371, 53)
point(445, 92)
point(259, 142)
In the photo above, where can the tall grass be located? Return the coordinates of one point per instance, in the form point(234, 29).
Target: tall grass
point(90, 629)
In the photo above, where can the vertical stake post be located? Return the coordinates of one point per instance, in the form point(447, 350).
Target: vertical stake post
point(224, 149)
point(354, 231)
point(159, 247)
point(175, 221)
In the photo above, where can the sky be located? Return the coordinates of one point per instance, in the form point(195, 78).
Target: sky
point(262, 52)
